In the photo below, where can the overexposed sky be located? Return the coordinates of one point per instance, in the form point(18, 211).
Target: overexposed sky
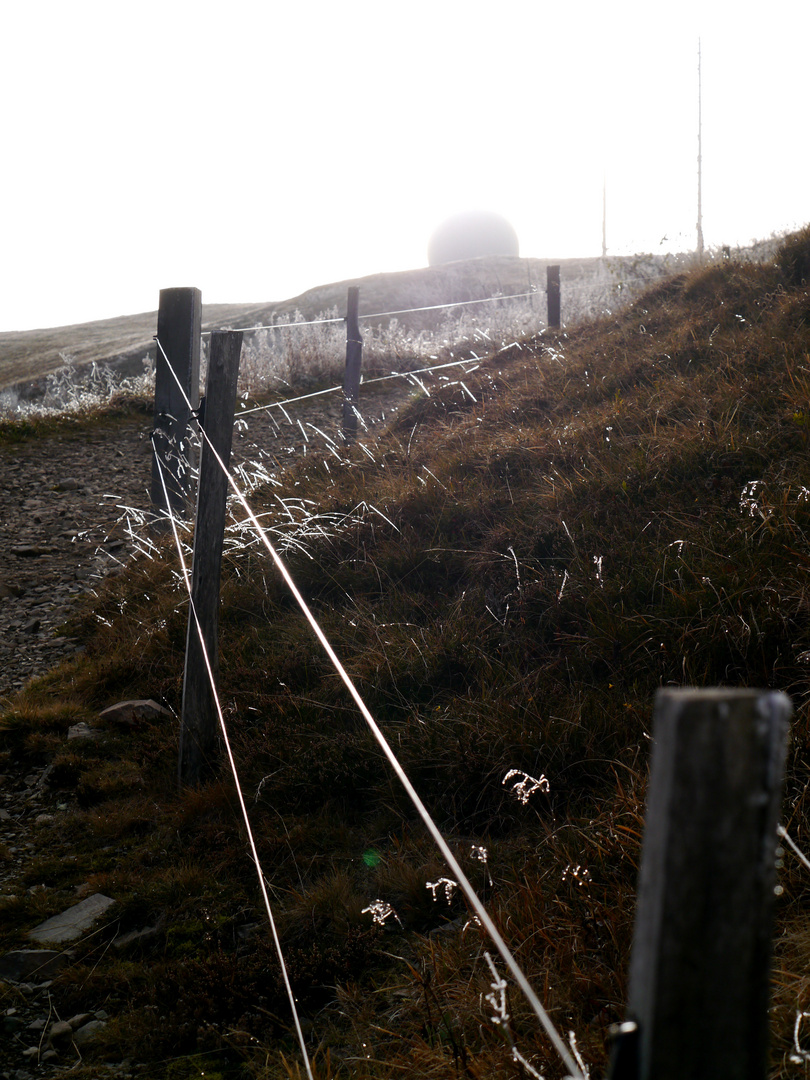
point(257, 148)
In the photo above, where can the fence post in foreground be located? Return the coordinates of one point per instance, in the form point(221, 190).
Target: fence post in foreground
point(553, 295)
point(700, 965)
point(354, 356)
point(179, 327)
point(198, 718)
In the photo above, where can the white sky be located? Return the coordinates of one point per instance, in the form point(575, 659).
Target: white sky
point(256, 149)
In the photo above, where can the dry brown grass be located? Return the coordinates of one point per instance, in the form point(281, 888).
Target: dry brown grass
point(593, 515)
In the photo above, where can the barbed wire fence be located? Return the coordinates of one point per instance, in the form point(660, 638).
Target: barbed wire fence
point(569, 1057)
point(295, 352)
point(173, 465)
point(652, 960)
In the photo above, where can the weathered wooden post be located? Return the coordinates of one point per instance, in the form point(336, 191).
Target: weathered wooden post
point(553, 295)
point(198, 720)
point(354, 357)
point(700, 966)
point(179, 327)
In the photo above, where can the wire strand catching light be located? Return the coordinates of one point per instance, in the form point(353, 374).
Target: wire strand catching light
point(464, 884)
point(474, 361)
point(295, 325)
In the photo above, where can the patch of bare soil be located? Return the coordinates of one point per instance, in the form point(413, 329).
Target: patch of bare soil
point(70, 501)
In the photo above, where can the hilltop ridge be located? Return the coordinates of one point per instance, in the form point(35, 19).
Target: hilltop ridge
point(28, 357)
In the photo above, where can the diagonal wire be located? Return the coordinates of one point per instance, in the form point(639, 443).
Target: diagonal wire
point(464, 884)
point(783, 835)
point(232, 762)
point(366, 382)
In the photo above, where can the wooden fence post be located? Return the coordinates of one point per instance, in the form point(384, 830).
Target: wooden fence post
point(700, 966)
point(354, 356)
point(553, 295)
point(179, 327)
point(198, 719)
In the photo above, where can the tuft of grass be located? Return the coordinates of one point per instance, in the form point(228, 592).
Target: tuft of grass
point(793, 258)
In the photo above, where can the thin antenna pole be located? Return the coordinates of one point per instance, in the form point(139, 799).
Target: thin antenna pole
point(700, 161)
point(604, 215)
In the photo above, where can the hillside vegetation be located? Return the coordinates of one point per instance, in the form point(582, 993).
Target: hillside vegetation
point(122, 344)
point(509, 573)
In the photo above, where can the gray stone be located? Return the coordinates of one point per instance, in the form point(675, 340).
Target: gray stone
point(133, 713)
point(60, 1034)
point(82, 731)
point(72, 923)
point(20, 965)
point(79, 1020)
point(88, 1032)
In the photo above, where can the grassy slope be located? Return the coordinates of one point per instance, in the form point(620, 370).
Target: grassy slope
point(33, 354)
point(617, 509)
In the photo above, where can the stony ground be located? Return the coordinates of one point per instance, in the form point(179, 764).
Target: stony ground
point(74, 504)
point(74, 509)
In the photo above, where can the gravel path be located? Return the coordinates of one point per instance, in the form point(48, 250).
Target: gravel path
point(68, 501)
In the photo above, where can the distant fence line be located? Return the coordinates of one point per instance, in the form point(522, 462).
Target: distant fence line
point(352, 379)
point(167, 403)
point(606, 284)
point(582, 295)
point(381, 314)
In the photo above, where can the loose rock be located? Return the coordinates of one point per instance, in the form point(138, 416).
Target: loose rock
point(82, 731)
point(71, 924)
point(60, 1034)
point(88, 1032)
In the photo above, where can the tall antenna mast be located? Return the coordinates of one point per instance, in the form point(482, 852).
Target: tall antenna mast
point(700, 162)
point(604, 215)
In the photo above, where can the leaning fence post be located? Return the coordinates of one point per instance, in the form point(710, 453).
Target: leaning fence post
point(700, 965)
point(354, 356)
point(198, 719)
point(553, 295)
point(179, 326)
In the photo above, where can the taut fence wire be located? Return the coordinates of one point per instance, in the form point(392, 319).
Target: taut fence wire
point(472, 361)
point(296, 325)
point(571, 1060)
point(450, 859)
